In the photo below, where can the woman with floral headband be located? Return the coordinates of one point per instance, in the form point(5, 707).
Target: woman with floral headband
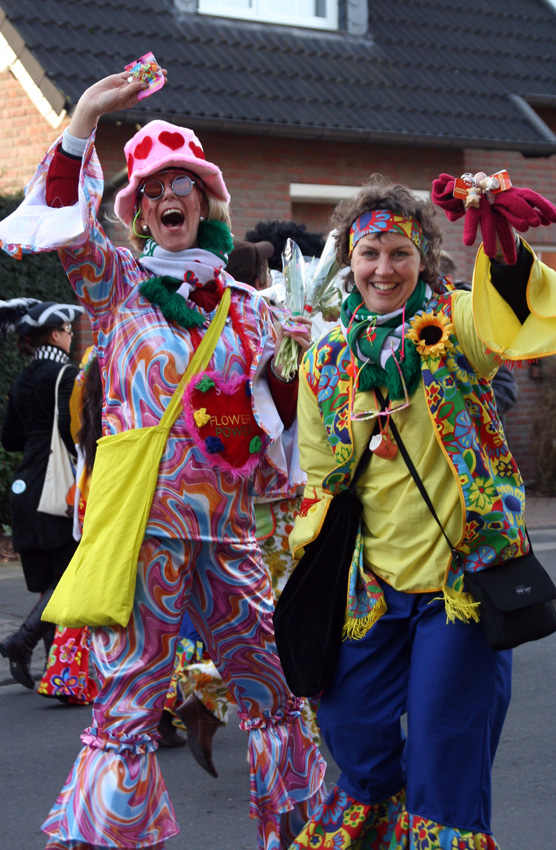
point(149, 316)
point(422, 355)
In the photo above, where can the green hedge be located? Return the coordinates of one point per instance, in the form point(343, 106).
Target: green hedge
point(40, 276)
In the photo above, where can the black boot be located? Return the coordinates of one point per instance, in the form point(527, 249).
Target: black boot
point(170, 736)
point(18, 648)
point(201, 724)
point(48, 639)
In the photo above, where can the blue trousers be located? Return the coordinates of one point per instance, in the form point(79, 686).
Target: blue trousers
point(455, 690)
point(188, 630)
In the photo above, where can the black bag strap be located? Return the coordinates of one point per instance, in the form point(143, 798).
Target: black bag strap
point(367, 454)
point(417, 478)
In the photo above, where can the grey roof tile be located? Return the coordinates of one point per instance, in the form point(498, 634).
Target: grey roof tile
point(441, 71)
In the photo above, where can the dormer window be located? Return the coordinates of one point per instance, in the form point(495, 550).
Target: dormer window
point(318, 14)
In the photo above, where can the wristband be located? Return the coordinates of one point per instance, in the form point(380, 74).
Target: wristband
point(278, 377)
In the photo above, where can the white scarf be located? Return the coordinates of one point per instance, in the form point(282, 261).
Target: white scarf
point(194, 266)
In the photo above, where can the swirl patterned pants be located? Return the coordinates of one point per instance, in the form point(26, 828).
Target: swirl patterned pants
point(115, 795)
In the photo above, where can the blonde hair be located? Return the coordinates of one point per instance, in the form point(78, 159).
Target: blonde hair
point(218, 210)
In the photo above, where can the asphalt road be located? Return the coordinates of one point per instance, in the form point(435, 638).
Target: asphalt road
point(39, 740)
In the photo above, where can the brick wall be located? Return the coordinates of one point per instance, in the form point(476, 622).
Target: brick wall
point(258, 171)
point(521, 422)
point(24, 135)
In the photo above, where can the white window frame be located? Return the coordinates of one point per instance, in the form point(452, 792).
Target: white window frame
point(261, 12)
point(544, 247)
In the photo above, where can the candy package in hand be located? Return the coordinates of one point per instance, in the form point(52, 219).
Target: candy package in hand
point(497, 209)
point(146, 69)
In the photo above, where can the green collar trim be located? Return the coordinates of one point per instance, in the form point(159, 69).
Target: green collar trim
point(162, 292)
point(215, 236)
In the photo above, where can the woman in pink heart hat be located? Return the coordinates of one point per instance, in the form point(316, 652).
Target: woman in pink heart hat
point(149, 315)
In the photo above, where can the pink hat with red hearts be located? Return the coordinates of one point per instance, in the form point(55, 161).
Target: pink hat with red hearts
point(160, 145)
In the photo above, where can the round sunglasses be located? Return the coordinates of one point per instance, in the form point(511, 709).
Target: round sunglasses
point(153, 189)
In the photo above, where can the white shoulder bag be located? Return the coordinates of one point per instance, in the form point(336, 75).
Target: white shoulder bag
point(60, 472)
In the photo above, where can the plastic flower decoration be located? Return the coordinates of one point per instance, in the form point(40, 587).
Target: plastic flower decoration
point(431, 334)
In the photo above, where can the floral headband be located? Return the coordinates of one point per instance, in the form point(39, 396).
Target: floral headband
point(384, 221)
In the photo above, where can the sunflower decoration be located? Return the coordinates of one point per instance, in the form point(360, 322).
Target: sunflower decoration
point(431, 334)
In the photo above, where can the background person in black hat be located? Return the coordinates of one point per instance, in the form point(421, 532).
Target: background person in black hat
point(44, 542)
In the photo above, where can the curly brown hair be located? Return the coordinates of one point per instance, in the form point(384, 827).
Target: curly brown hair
point(380, 193)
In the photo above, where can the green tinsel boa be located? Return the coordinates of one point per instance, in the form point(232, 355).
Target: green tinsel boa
point(215, 236)
point(162, 291)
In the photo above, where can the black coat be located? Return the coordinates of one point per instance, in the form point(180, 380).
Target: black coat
point(28, 428)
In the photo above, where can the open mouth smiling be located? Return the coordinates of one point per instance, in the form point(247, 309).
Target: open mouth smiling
point(172, 218)
point(383, 287)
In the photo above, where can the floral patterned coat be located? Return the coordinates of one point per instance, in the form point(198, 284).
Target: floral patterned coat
point(466, 426)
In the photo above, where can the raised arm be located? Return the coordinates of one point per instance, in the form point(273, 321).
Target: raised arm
point(111, 94)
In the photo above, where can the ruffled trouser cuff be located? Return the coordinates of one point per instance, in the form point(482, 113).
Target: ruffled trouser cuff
point(342, 823)
point(131, 807)
point(78, 845)
point(287, 775)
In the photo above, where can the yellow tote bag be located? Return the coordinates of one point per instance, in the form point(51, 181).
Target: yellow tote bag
point(98, 586)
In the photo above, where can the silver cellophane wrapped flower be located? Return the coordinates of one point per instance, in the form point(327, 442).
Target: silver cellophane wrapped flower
point(310, 288)
point(293, 265)
point(321, 290)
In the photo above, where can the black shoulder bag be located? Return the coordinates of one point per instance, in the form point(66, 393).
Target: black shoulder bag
point(309, 615)
point(517, 596)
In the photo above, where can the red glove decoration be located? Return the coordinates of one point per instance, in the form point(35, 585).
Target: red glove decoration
point(514, 208)
point(524, 208)
point(545, 209)
point(443, 196)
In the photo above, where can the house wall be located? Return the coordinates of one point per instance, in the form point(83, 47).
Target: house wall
point(258, 171)
point(24, 135)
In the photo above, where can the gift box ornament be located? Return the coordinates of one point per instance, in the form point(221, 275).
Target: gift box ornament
point(219, 416)
point(147, 70)
point(469, 187)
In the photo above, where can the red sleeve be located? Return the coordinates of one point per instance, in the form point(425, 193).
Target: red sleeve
point(284, 397)
point(62, 180)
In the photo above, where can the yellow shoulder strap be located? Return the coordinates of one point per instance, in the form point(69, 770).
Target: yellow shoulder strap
point(200, 358)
